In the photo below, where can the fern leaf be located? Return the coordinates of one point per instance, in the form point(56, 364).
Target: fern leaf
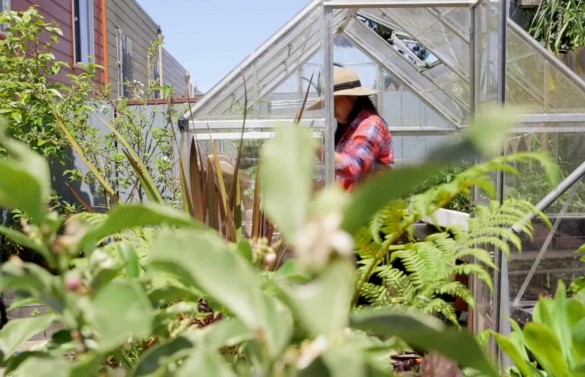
point(456, 289)
point(481, 255)
point(476, 270)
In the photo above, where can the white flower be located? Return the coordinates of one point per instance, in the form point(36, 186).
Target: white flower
point(310, 351)
point(320, 239)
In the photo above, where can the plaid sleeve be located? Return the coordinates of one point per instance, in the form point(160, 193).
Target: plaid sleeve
point(359, 153)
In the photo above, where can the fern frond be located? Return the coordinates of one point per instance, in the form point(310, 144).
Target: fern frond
point(456, 289)
point(91, 218)
point(413, 263)
point(392, 276)
point(489, 241)
point(476, 270)
point(376, 295)
point(365, 245)
point(438, 306)
point(388, 220)
point(505, 235)
point(479, 254)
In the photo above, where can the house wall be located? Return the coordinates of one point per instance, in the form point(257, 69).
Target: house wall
point(60, 12)
point(132, 20)
point(174, 74)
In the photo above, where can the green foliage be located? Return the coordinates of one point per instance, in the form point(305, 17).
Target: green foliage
point(430, 264)
point(30, 94)
point(125, 315)
point(461, 202)
point(555, 338)
point(559, 25)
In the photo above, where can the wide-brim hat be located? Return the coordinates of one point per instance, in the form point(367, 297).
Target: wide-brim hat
point(345, 83)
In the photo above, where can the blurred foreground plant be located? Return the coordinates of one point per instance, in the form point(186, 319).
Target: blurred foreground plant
point(119, 310)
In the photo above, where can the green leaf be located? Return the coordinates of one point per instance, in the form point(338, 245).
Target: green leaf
point(119, 311)
point(23, 240)
point(521, 360)
point(17, 331)
point(345, 361)
point(127, 217)
point(323, 305)
point(280, 325)
point(285, 178)
point(225, 333)
point(205, 363)
point(16, 116)
point(161, 356)
point(203, 259)
point(26, 181)
point(32, 279)
point(316, 369)
point(546, 348)
point(128, 254)
point(44, 367)
point(490, 130)
point(578, 339)
point(380, 190)
point(427, 333)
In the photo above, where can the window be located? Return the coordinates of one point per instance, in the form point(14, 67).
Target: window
point(4, 5)
point(124, 63)
point(83, 31)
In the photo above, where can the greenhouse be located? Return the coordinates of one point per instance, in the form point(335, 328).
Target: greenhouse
point(382, 188)
point(441, 63)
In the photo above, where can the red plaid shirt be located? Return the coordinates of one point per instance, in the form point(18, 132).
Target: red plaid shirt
point(365, 147)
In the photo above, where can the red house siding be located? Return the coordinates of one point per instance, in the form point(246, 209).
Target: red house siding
point(61, 13)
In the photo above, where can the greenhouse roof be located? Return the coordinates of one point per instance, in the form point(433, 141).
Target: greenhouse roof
point(460, 35)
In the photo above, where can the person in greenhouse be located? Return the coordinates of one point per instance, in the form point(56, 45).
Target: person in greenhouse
point(363, 143)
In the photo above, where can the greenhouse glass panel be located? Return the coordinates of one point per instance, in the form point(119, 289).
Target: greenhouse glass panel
point(426, 27)
point(459, 20)
point(546, 259)
point(568, 150)
point(403, 70)
point(486, 53)
point(537, 83)
point(282, 55)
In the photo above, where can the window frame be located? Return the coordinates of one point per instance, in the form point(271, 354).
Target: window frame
point(83, 31)
point(4, 5)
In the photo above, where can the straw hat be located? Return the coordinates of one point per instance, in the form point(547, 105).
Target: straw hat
point(345, 83)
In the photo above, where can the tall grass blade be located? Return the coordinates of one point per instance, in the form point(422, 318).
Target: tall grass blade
point(302, 109)
point(256, 214)
point(197, 191)
point(235, 181)
point(140, 169)
point(108, 189)
point(212, 200)
point(148, 185)
point(224, 203)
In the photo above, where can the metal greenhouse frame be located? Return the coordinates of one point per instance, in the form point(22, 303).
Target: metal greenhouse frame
point(480, 56)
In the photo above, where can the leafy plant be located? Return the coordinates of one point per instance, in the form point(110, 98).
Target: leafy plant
point(559, 24)
point(421, 274)
point(30, 94)
point(395, 222)
point(553, 343)
point(143, 316)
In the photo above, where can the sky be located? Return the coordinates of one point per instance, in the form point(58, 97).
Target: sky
point(211, 37)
